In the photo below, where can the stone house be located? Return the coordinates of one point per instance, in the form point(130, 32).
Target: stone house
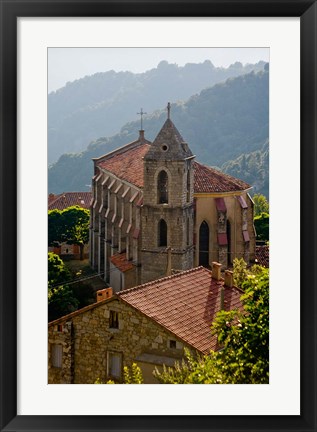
point(61, 202)
point(151, 196)
point(150, 324)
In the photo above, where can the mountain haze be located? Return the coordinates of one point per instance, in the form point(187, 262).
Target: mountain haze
point(98, 105)
point(221, 124)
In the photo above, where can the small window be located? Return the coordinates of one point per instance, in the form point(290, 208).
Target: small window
point(114, 320)
point(57, 355)
point(172, 344)
point(115, 365)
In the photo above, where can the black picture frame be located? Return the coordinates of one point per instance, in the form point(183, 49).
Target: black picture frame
point(10, 11)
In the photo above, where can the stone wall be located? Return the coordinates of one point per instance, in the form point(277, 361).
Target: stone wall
point(61, 335)
point(87, 345)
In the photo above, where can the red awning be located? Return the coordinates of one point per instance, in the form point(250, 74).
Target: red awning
point(220, 204)
point(246, 236)
point(222, 239)
point(136, 233)
point(242, 202)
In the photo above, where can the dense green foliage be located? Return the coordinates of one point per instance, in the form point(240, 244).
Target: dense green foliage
point(58, 273)
point(100, 104)
point(70, 225)
point(66, 290)
point(240, 272)
point(61, 299)
point(220, 124)
point(131, 375)
point(261, 204)
point(261, 224)
point(252, 167)
point(244, 337)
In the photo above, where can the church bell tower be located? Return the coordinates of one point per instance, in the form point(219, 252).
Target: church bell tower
point(167, 212)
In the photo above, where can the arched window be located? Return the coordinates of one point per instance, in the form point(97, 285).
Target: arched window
point(162, 233)
point(204, 244)
point(162, 187)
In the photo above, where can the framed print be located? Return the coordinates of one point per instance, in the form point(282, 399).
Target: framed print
point(288, 29)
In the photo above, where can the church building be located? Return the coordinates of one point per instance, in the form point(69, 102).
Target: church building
point(155, 210)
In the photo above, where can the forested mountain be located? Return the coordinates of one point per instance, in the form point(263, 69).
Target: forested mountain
point(220, 124)
point(100, 104)
point(252, 168)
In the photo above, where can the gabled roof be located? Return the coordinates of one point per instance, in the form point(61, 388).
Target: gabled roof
point(68, 199)
point(185, 304)
point(127, 164)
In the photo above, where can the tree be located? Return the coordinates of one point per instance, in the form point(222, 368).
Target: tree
point(70, 225)
point(61, 299)
point(261, 225)
point(261, 204)
point(58, 273)
point(244, 337)
point(55, 227)
point(240, 271)
point(76, 225)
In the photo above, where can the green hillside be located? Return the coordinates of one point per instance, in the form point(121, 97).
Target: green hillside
point(220, 124)
point(98, 105)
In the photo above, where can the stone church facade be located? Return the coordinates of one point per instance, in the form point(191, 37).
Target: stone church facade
point(155, 208)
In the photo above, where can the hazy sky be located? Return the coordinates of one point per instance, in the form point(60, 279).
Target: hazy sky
point(69, 64)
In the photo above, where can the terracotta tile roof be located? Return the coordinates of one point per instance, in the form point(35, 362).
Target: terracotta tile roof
point(120, 261)
point(68, 199)
point(208, 180)
point(262, 255)
point(127, 164)
point(185, 304)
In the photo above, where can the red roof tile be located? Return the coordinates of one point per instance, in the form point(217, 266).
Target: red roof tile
point(68, 199)
point(208, 180)
point(127, 164)
point(262, 255)
point(185, 304)
point(120, 261)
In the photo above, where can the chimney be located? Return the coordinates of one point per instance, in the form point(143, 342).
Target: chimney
point(222, 298)
point(169, 261)
point(141, 134)
point(216, 271)
point(104, 294)
point(229, 278)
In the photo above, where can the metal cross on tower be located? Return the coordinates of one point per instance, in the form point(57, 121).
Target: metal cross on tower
point(168, 110)
point(141, 113)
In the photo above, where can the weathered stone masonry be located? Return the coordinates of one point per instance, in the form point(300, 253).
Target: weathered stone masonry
point(85, 360)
